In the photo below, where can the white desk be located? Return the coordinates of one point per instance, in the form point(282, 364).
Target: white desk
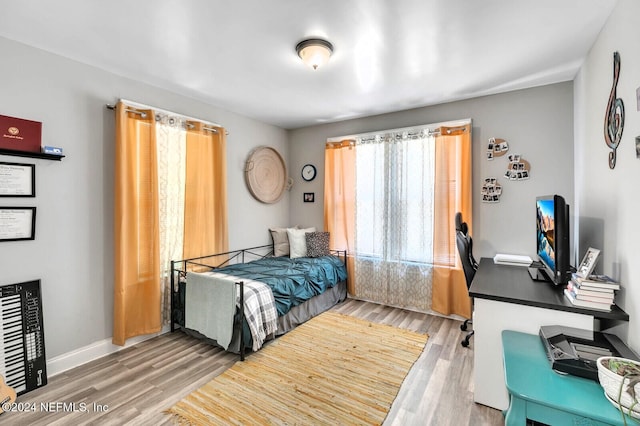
point(506, 298)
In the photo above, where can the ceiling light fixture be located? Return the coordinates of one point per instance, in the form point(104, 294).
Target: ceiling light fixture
point(314, 52)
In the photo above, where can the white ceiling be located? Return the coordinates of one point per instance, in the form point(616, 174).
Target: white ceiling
point(388, 55)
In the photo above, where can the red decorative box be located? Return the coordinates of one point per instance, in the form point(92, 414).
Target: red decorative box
point(19, 134)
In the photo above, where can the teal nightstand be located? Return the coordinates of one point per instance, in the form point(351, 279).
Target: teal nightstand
point(538, 393)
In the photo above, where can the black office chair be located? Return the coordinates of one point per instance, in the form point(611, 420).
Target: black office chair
point(469, 264)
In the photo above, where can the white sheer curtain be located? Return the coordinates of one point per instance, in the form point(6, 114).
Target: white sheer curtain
point(394, 219)
point(171, 148)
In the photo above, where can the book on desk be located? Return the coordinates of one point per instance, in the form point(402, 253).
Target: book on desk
point(594, 291)
point(595, 282)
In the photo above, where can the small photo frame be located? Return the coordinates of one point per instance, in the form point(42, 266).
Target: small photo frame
point(17, 223)
point(309, 197)
point(17, 180)
point(588, 262)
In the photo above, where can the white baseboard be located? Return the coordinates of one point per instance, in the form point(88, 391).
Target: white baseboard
point(93, 351)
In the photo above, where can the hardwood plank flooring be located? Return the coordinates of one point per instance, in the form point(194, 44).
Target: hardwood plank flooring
point(135, 385)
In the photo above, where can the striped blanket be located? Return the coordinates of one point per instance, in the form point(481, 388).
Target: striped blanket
point(259, 305)
point(259, 311)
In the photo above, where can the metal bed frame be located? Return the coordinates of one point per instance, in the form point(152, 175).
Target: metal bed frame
point(179, 270)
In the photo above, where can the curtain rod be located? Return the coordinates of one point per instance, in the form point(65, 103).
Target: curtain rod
point(185, 117)
point(429, 127)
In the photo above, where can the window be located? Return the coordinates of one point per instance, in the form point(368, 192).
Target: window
point(390, 200)
point(394, 197)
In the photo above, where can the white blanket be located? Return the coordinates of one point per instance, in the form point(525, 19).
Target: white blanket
point(210, 305)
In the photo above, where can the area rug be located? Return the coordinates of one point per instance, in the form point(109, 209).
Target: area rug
point(333, 369)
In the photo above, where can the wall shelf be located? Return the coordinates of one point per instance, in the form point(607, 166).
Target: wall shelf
point(42, 155)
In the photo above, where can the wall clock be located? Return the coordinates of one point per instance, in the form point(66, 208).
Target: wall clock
point(308, 172)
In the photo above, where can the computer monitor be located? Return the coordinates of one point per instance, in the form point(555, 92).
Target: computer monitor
point(552, 238)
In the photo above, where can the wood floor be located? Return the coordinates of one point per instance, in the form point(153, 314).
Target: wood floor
point(135, 385)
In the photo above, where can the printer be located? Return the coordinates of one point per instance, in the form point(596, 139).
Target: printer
point(575, 351)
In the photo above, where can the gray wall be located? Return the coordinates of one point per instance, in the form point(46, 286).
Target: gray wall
point(73, 250)
point(72, 253)
point(537, 123)
point(607, 200)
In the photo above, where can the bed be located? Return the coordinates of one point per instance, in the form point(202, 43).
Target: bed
point(277, 292)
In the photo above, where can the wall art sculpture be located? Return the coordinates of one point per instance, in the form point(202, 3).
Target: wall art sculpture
point(614, 116)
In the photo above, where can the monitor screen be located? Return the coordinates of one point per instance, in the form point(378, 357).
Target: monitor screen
point(545, 225)
point(552, 237)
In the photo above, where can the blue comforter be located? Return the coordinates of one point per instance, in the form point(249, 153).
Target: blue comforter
point(292, 281)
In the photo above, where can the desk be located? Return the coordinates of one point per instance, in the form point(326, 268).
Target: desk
point(506, 298)
point(538, 393)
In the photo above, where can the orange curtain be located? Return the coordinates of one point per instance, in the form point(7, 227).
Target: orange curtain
point(137, 292)
point(452, 193)
point(205, 224)
point(339, 200)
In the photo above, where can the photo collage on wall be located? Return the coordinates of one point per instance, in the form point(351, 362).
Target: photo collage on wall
point(517, 169)
point(496, 148)
point(491, 190)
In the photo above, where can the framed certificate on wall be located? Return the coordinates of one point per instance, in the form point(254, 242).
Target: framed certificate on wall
point(17, 223)
point(17, 180)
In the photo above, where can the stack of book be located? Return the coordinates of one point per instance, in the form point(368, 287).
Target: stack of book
point(594, 291)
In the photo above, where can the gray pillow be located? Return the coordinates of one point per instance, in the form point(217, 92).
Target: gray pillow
point(280, 241)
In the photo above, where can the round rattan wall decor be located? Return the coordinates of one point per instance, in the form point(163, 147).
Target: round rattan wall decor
point(265, 174)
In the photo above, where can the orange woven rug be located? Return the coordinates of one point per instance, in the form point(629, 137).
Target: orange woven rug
point(333, 369)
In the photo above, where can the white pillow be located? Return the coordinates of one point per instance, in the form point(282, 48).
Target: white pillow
point(298, 242)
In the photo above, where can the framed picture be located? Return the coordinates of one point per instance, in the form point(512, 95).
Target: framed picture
point(17, 223)
point(17, 180)
point(588, 262)
point(309, 197)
